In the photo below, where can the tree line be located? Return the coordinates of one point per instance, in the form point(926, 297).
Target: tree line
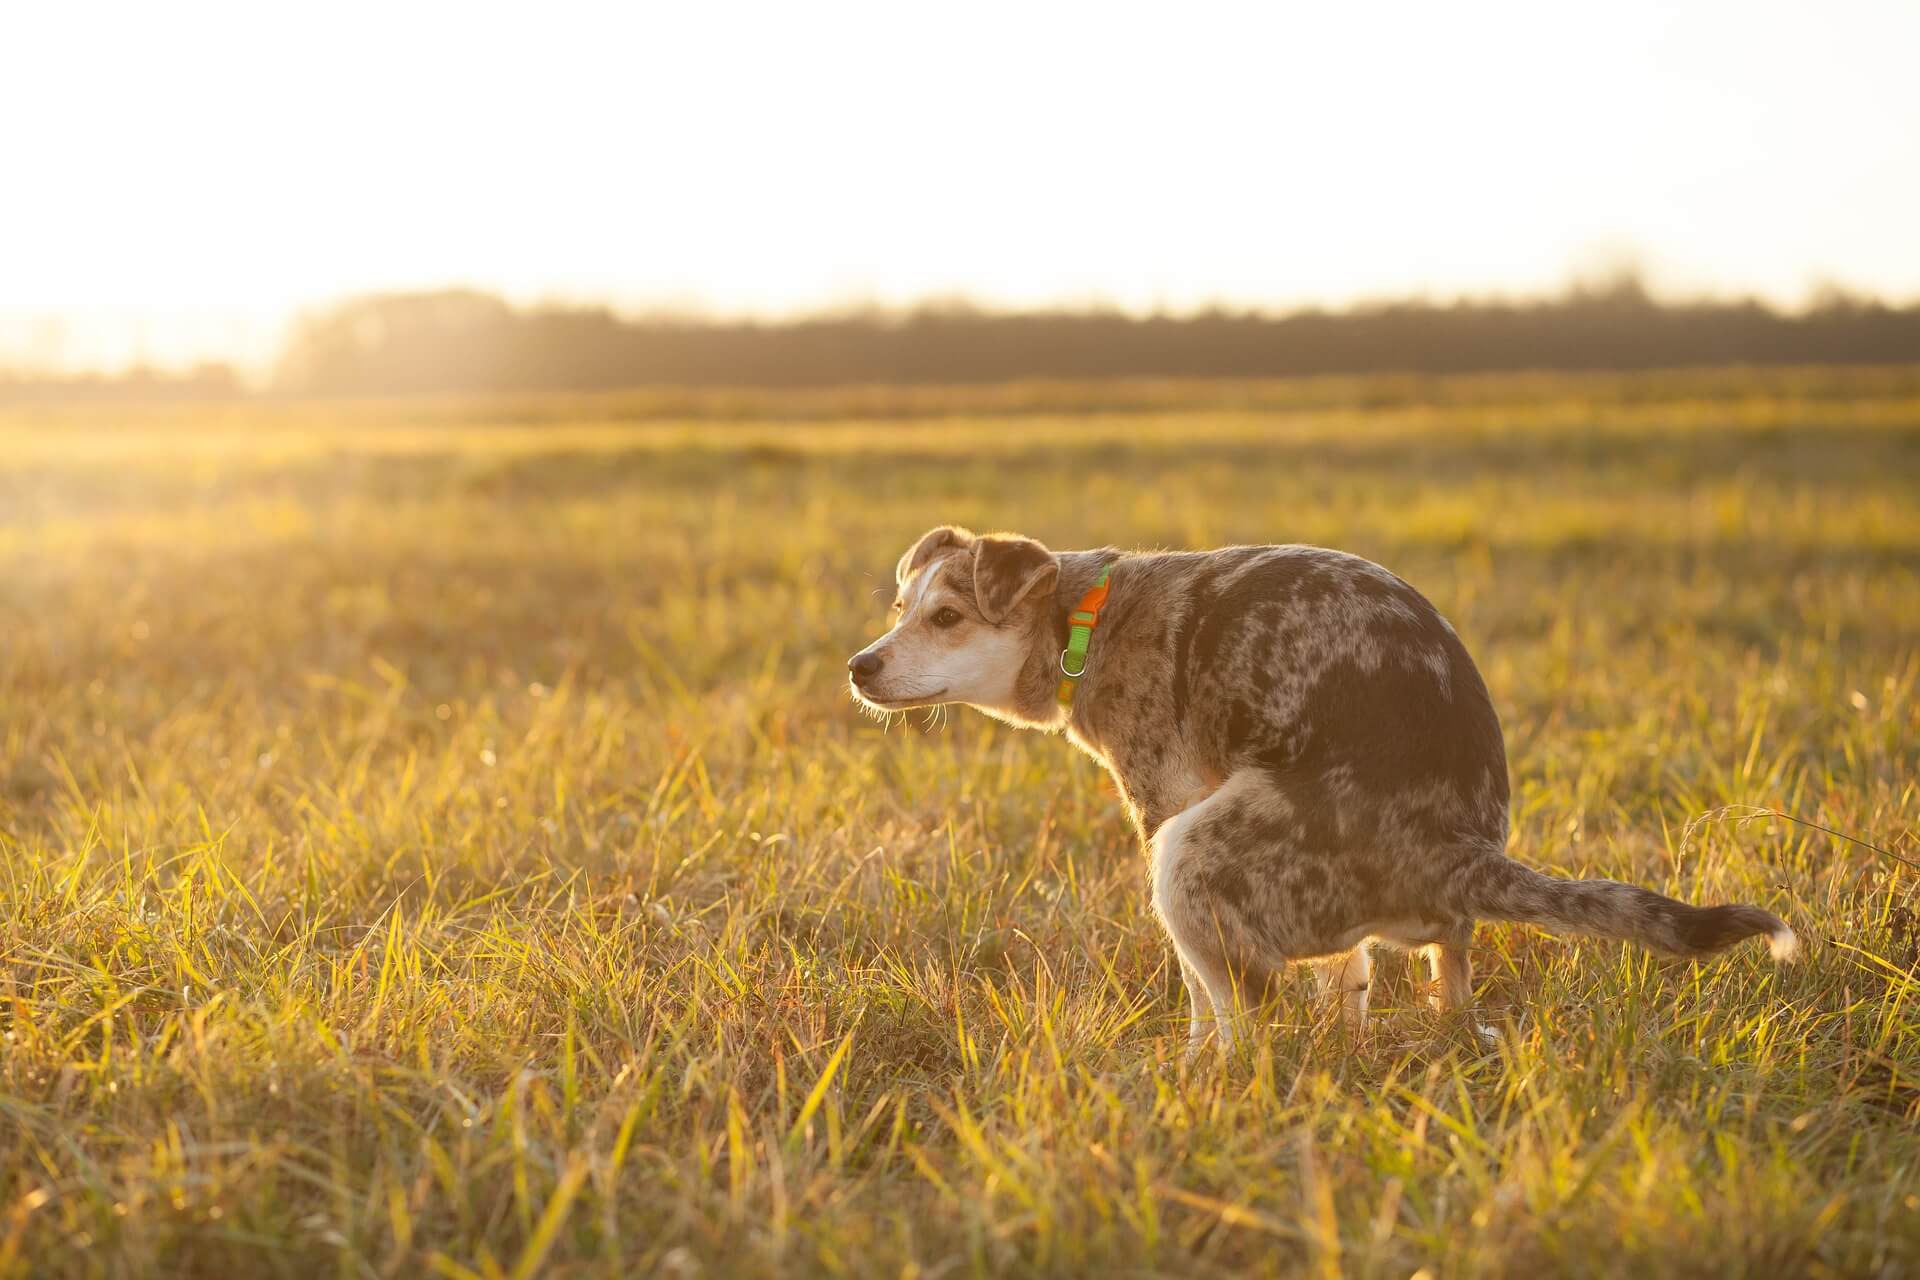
point(467, 342)
point(473, 342)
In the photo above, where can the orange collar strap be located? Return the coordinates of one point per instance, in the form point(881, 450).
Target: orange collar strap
point(1080, 624)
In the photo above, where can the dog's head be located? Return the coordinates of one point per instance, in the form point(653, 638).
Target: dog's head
point(967, 617)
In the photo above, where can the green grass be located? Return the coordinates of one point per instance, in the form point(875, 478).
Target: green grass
point(435, 839)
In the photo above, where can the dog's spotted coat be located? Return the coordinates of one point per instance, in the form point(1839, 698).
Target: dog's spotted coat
point(1309, 754)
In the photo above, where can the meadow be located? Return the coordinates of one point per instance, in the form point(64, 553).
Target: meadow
point(435, 839)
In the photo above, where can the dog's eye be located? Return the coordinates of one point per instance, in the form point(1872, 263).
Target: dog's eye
point(946, 617)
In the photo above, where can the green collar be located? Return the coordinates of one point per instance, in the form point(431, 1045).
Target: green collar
point(1080, 624)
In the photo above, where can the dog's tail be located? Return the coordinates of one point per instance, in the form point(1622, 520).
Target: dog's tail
point(1499, 888)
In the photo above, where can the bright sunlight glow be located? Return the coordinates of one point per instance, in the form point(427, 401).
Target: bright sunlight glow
point(178, 178)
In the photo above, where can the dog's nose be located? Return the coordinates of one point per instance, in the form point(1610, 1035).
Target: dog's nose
point(864, 666)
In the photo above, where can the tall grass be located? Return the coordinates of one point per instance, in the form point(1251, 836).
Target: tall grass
point(438, 843)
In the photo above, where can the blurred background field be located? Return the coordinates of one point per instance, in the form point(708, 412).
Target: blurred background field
point(435, 837)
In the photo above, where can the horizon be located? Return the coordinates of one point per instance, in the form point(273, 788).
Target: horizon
point(734, 164)
point(1628, 282)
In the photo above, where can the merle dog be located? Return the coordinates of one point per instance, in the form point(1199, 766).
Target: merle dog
point(1309, 754)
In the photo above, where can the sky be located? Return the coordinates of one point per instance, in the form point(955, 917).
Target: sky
point(178, 179)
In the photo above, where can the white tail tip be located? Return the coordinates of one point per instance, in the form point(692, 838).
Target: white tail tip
point(1784, 944)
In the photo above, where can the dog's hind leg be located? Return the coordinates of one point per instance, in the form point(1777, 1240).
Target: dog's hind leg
point(1201, 932)
point(1351, 975)
point(1214, 890)
point(1452, 962)
point(1200, 1017)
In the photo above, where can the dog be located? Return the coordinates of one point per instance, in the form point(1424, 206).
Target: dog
point(1309, 755)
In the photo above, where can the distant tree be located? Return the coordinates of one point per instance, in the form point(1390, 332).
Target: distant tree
point(398, 342)
point(205, 381)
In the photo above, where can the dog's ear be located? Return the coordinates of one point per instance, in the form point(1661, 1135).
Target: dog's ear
point(1006, 571)
point(931, 542)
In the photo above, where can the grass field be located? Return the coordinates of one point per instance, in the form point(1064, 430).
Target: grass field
point(435, 839)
